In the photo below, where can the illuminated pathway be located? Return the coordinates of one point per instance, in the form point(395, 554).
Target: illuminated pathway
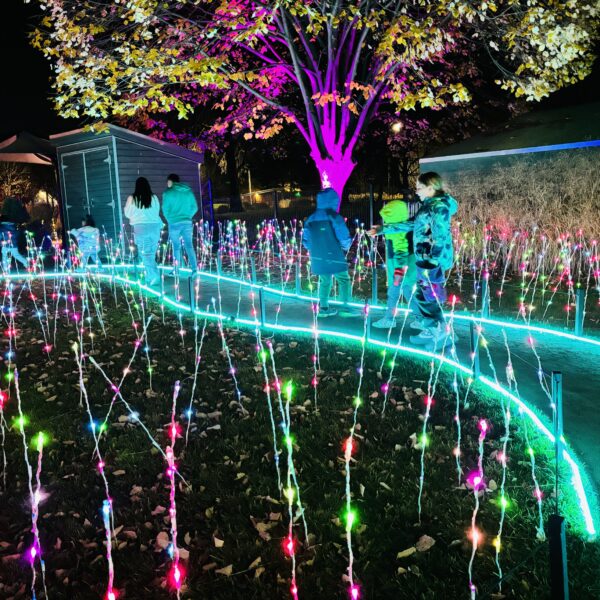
point(579, 362)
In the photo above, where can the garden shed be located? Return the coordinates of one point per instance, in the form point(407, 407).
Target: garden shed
point(97, 173)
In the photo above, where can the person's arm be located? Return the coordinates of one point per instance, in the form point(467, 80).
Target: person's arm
point(342, 233)
point(128, 206)
point(397, 227)
point(375, 230)
point(306, 236)
point(440, 231)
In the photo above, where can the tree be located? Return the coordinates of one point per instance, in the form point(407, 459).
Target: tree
point(327, 67)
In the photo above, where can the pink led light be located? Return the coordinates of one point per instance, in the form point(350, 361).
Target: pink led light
point(354, 592)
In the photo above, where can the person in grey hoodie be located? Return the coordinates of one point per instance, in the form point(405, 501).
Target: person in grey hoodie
point(179, 207)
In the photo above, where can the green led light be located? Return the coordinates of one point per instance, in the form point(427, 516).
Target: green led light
point(351, 518)
point(289, 390)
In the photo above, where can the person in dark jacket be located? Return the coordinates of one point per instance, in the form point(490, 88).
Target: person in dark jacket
point(327, 239)
point(13, 215)
point(434, 254)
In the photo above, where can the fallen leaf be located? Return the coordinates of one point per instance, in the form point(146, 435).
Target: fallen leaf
point(255, 563)
point(424, 543)
point(218, 543)
point(407, 552)
point(162, 540)
point(227, 571)
point(119, 473)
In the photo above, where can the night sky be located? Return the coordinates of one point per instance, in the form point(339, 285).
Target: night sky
point(25, 90)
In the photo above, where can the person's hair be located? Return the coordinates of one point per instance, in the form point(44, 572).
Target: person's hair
point(142, 196)
point(89, 221)
point(434, 180)
point(174, 178)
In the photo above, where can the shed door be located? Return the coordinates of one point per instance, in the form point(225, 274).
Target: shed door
point(89, 189)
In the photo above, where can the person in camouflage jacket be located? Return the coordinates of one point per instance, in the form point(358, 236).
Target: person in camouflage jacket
point(434, 254)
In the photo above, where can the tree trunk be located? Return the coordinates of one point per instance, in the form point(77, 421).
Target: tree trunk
point(235, 200)
point(334, 172)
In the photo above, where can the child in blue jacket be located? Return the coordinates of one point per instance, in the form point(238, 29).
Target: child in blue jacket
point(327, 239)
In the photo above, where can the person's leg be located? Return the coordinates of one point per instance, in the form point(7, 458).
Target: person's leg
point(187, 234)
point(146, 238)
point(175, 235)
point(344, 286)
point(325, 283)
point(426, 302)
point(393, 296)
point(14, 251)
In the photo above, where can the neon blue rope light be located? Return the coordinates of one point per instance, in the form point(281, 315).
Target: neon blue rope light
point(577, 480)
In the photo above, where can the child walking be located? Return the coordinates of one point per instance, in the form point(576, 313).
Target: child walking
point(327, 239)
point(88, 241)
point(400, 260)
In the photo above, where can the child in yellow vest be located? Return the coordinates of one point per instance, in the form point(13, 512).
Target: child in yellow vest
point(400, 260)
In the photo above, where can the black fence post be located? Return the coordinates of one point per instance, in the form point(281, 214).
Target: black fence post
point(261, 305)
point(192, 291)
point(579, 310)
point(276, 205)
point(474, 337)
point(559, 575)
point(298, 276)
point(371, 201)
point(485, 296)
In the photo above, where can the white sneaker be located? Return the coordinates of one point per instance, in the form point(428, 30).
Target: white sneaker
point(384, 323)
point(435, 338)
point(417, 324)
point(327, 312)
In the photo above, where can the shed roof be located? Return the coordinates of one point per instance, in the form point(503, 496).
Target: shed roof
point(77, 136)
point(536, 131)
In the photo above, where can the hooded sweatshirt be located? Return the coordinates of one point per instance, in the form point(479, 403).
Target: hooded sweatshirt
point(326, 236)
point(432, 235)
point(88, 238)
point(397, 246)
point(179, 203)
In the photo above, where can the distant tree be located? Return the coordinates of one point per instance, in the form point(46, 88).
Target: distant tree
point(326, 67)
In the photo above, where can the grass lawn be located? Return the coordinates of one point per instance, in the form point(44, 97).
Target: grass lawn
point(232, 520)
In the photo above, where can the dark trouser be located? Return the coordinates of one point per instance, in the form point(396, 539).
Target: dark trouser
point(430, 295)
point(325, 283)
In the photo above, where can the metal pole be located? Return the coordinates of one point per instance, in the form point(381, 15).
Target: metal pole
point(261, 305)
point(579, 310)
point(253, 269)
point(474, 335)
point(298, 275)
point(559, 575)
point(374, 271)
point(558, 427)
point(250, 186)
point(192, 291)
point(485, 297)
point(276, 205)
point(219, 262)
point(371, 204)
